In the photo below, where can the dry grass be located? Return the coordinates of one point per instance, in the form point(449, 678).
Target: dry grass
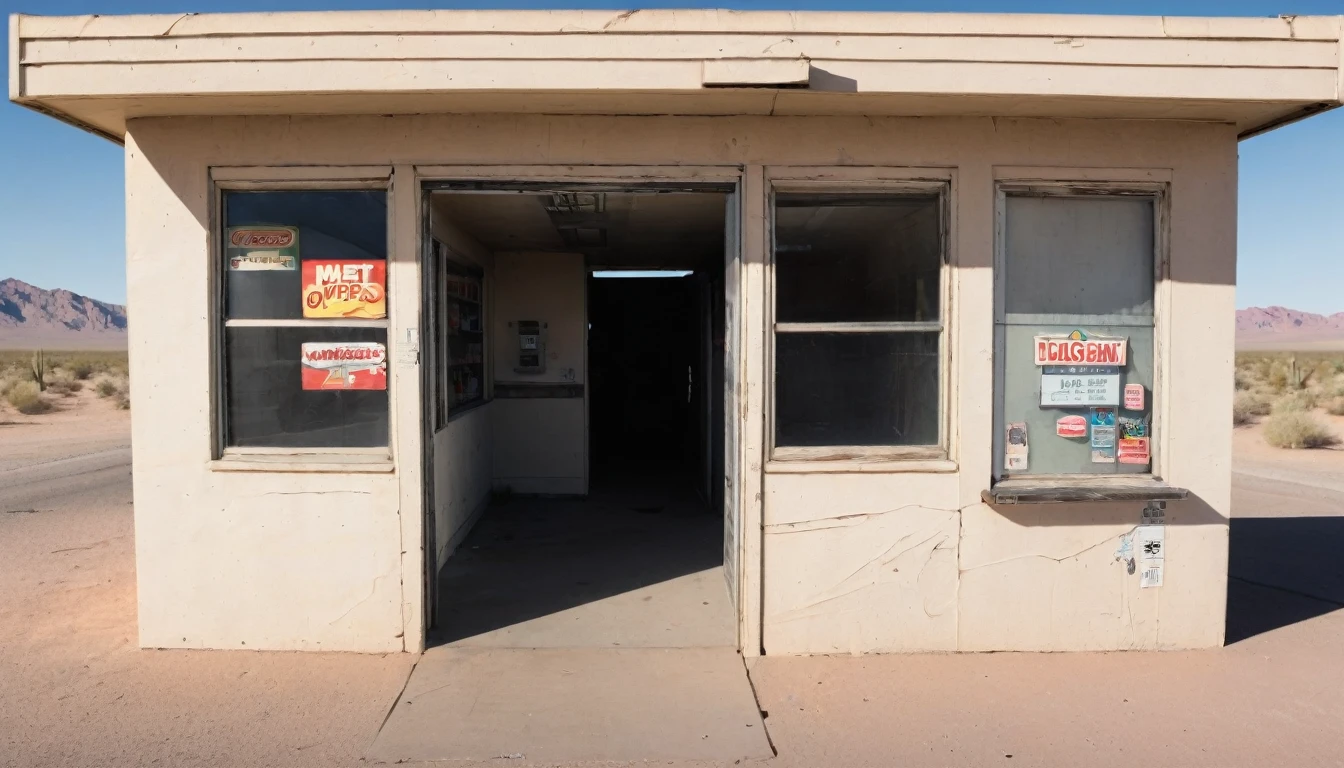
point(26, 398)
point(1246, 406)
point(1298, 430)
point(1295, 402)
point(118, 388)
point(1287, 382)
point(82, 365)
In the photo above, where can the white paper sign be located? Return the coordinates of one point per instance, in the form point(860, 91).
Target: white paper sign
point(1068, 390)
point(1150, 543)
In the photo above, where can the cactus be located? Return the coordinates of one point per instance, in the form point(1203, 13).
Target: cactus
point(39, 370)
point(1297, 377)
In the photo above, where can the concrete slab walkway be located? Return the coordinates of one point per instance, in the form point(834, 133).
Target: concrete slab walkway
point(575, 705)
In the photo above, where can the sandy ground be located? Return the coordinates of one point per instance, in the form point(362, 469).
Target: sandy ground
point(75, 690)
point(1324, 467)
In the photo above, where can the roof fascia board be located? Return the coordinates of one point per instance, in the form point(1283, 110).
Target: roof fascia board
point(682, 21)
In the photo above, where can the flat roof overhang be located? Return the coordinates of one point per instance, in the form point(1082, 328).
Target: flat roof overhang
point(98, 72)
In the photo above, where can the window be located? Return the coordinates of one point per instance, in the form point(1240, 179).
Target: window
point(461, 367)
point(305, 319)
point(1074, 331)
point(858, 324)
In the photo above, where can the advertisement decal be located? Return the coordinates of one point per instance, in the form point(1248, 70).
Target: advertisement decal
point(354, 289)
point(1077, 349)
point(262, 248)
point(344, 365)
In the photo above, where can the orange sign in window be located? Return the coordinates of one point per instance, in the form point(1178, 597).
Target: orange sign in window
point(345, 289)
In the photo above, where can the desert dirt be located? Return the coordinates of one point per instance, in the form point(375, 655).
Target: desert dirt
point(75, 690)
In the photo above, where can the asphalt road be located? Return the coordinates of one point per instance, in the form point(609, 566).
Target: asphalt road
point(49, 483)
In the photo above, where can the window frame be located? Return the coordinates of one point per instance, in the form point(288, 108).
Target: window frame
point(1152, 185)
point(938, 183)
point(224, 180)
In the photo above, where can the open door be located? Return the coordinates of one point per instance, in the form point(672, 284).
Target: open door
point(732, 344)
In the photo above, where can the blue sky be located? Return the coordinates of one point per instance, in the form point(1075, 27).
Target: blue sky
point(61, 206)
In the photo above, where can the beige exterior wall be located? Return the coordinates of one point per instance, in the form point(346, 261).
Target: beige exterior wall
point(851, 558)
point(540, 443)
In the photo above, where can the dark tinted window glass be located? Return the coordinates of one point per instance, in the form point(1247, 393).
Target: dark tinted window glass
point(856, 389)
point(856, 258)
point(268, 234)
point(268, 404)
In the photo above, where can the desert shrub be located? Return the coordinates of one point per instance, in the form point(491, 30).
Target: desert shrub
point(1335, 407)
point(1246, 406)
point(25, 397)
point(1243, 380)
point(105, 387)
point(65, 388)
point(1297, 430)
point(123, 399)
point(1295, 402)
point(81, 369)
point(1278, 378)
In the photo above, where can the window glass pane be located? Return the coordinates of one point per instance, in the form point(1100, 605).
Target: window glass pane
point(268, 235)
point(1079, 256)
point(1077, 277)
point(1049, 452)
point(856, 258)
point(856, 389)
point(337, 399)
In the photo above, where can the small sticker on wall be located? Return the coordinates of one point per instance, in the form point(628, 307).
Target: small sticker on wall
point(1071, 426)
point(1151, 543)
point(1134, 397)
point(1155, 513)
point(1015, 447)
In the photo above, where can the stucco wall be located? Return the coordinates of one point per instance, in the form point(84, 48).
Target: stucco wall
point(540, 443)
point(852, 561)
point(463, 461)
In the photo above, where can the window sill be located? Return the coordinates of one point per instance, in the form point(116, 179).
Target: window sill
point(861, 466)
point(341, 463)
point(1062, 490)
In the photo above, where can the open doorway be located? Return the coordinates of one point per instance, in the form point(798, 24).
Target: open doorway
point(574, 364)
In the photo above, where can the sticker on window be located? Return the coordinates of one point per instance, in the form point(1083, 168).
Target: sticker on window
point(1134, 397)
point(1071, 426)
point(1068, 386)
point(1134, 450)
point(1102, 424)
point(352, 365)
point(1015, 447)
point(354, 289)
point(258, 249)
point(1077, 349)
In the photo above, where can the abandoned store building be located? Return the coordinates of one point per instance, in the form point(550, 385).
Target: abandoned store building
point(791, 333)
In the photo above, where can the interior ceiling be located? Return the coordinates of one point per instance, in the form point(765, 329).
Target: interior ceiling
point(666, 230)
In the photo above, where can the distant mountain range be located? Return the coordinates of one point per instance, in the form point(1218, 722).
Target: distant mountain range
point(1284, 327)
point(32, 317)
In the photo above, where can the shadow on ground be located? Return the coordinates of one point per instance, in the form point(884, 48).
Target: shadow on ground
point(529, 557)
point(1297, 558)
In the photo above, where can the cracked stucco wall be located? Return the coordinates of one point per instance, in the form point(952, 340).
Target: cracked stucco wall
point(851, 561)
